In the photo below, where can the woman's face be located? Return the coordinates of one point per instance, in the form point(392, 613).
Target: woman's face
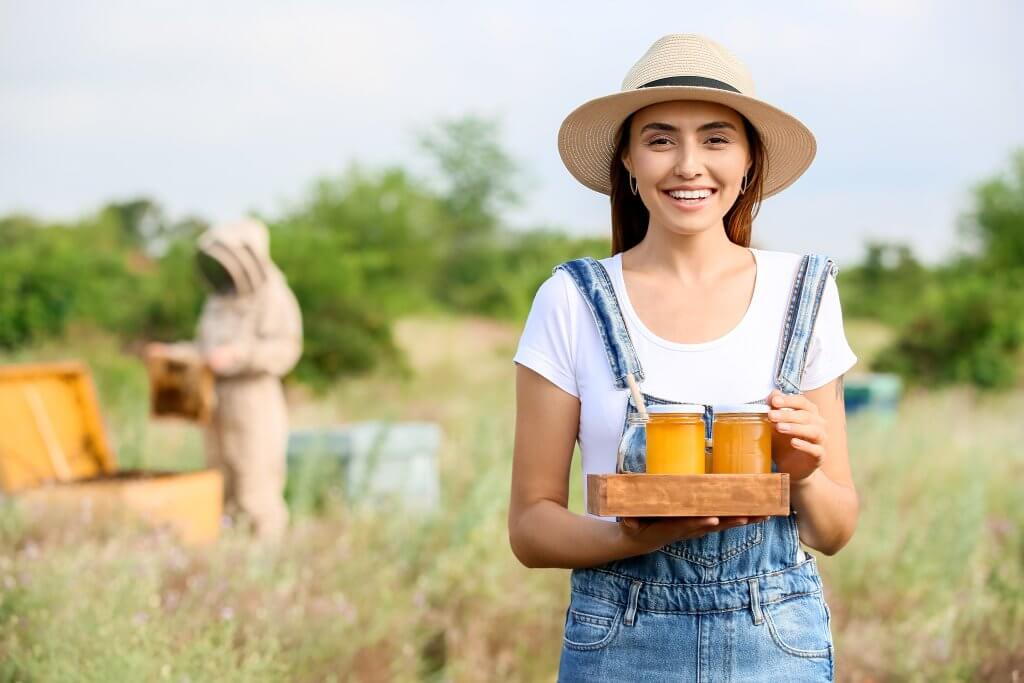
point(688, 145)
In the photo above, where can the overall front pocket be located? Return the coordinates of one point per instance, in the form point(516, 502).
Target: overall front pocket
point(799, 625)
point(590, 623)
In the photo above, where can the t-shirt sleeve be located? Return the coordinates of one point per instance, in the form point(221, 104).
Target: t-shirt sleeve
point(547, 345)
point(829, 354)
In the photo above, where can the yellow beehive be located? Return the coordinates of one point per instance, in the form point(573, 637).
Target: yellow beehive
point(54, 452)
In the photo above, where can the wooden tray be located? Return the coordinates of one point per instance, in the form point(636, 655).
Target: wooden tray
point(687, 495)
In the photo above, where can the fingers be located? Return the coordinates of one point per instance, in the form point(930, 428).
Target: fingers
point(814, 433)
point(730, 522)
point(681, 526)
point(790, 415)
point(795, 401)
point(800, 420)
point(693, 524)
point(815, 449)
point(653, 532)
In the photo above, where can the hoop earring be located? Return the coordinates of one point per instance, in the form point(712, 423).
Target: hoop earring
point(632, 183)
point(743, 184)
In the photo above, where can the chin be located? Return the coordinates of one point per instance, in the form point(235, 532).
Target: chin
point(688, 228)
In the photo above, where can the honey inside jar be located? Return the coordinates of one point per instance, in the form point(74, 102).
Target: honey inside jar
point(741, 440)
point(675, 439)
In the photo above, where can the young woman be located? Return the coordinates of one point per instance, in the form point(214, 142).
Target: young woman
point(686, 153)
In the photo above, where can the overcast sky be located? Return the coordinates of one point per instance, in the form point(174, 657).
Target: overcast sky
point(219, 107)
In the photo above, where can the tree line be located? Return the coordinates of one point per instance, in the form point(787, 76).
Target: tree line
point(367, 246)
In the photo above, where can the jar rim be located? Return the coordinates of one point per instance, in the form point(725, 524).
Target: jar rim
point(740, 409)
point(676, 408)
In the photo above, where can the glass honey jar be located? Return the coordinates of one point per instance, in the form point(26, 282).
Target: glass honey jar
point(741, 439)
point(675, 439)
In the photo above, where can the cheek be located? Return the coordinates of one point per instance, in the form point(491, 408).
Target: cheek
point(730, 167)
point(651, 166)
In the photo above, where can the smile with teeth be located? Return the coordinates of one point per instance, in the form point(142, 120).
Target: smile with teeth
point(690, 197)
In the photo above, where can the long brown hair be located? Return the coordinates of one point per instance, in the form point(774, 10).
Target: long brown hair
point(630, 217)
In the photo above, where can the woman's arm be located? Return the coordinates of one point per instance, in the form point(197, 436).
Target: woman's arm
point(542, 531)
point(810, 444)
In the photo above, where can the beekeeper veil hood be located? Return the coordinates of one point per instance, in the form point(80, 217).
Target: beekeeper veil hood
point(234, 256)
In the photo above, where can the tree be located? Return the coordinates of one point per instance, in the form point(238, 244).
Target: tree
point(997, 221)
point(971, 328)
point(477, 178)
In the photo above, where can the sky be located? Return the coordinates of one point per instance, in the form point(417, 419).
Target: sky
point(219, 108)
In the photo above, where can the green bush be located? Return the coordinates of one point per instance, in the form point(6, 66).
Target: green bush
point(51, 275)
point(971, 331)
point(498, 276)
point(346, 330)
point(887, 285)
point(965, 322)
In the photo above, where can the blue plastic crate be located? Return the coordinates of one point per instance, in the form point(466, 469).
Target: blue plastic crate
point(877, 392)
point(378, 462)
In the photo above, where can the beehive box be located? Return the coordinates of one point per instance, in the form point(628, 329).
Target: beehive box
point(54, 453)
point(378, 462)
point(688, 495)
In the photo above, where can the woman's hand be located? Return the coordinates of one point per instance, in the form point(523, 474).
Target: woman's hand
point(798, 444)
point(651, 533)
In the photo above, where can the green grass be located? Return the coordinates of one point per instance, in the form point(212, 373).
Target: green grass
point(931, 587)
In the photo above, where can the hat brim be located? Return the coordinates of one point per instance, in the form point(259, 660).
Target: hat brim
point(586, 138)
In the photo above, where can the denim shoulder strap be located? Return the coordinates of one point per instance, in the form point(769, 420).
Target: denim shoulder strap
point(808, 288)
point(592, 280)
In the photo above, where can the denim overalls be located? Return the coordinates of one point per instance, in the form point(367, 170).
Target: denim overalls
point(744, 604)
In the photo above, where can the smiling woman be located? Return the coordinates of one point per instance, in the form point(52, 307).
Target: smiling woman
point(686, 308)
point(734, 140)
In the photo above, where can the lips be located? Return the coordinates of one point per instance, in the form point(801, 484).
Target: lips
point(689, 204)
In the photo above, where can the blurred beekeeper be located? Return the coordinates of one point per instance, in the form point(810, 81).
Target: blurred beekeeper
point(250, 334)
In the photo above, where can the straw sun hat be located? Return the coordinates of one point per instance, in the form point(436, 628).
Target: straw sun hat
point(683, 66)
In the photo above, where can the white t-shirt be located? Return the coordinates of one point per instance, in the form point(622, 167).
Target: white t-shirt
point(560, 342)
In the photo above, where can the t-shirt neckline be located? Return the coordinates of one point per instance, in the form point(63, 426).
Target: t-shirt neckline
point(627, 307)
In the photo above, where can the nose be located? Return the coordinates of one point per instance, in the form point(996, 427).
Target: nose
point(688, 161)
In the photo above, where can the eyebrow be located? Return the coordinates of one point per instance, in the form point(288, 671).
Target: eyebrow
point(669, 128)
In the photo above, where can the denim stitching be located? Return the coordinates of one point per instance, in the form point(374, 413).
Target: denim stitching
point(671, 584)
point(787, 328)
point(602, 598)
point(590, 618)
point(712, 561)
point(571, 269)
point(612, 630)
point(727, 610)
point(797, 348)
point(622, 331)
point(593, 282)
point(807, 654)
point(755, 602)
point(634, 600)
point(813, 318)
point(812, 288)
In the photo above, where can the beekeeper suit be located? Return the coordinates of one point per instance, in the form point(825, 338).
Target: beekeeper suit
point(250, 333)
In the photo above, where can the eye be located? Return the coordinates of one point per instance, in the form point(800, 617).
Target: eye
point(717, 140)
point(655, 141)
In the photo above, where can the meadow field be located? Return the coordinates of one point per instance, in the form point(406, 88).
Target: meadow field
point(931, 588)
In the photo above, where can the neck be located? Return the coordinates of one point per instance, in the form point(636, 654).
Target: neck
point(692, 259)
